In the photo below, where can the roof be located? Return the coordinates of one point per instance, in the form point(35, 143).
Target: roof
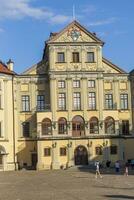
point(54, 36)
point(4, 69)
point(113, 65)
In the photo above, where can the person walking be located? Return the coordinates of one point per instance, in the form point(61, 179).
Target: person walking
point(126, 168)
point(117, 166)
point(108, 162)
point(97, 165)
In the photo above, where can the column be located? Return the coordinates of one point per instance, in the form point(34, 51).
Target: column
point(39, 154)
point(116, 93)
point(100, 102)
point(83, 58)
point(84, 97)
point(7, 109)
point(53, 100)
point(69, 104)
point(51, 57)
point(70, 154)
point(90, 151)
point(55, 155)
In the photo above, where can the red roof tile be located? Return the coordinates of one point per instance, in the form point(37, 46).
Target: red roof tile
point(4, 69)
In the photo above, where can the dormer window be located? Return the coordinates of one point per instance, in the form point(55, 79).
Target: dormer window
point(90, 57)
point(60, 57)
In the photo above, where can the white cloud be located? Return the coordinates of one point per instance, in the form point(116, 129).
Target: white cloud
point(103, 22)
point(18, 9)
point(60, 19)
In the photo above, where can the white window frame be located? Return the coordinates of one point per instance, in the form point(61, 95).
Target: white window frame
point(61, 84)
point(76, 83)
point(91, 83)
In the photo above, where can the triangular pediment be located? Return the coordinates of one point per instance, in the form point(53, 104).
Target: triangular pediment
point(109, 67)
point(74, 32)
point(37, 69)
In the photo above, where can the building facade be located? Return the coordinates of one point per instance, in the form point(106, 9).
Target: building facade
point(7, 145)
point(73, 107)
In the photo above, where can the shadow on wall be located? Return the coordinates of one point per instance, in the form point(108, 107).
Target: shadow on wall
point(27, 148)
point(119, 196)
point(27, 155)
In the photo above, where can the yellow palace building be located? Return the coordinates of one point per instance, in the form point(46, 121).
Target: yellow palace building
point(71, 108)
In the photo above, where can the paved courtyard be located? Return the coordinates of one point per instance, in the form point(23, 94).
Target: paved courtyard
point(72, 184)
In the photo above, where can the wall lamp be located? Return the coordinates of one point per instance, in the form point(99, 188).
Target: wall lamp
point(86, 124)
point(89, 144)
point(54, 144)
point(69, 144)
point(54, 125)
point(105, 143)
point(68, 125)
point(101, 124)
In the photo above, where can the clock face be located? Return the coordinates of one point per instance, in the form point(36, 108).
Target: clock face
point(74, 34)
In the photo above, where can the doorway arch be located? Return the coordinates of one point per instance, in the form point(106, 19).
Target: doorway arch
point(81, 155)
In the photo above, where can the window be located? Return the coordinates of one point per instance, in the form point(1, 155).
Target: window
point(0, 129)
point(125, 127)
point(108, 101)
point(113, 149)
point(109, 125)
point(91, 101)
point(98, 150)
point(61, 84)
point(75, 57)
point(26, 129)
point(46, 127)
point(62, 101)
point(61, 57)
point(77, 100)
point(63, 151)
point(90, 57)
point(40, 102)
point(47, 151)
point(94, 125)
point(124, 101)
point(76, 84)
point(0, 102)
point(91, 84)
point(25, 103)
point(62, 126)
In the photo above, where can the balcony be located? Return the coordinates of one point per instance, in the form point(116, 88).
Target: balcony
point(83, 130)
point(44, 108)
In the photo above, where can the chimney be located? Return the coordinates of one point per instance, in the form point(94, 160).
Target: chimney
point(10, 65)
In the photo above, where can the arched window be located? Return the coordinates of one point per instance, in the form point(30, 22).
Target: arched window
point(78, 128)
point(98, 150)
point(94, 125)
point(62, 126)
point(46, 126)
point(109, 125)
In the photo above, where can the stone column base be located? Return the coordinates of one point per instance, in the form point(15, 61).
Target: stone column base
point(70, 163)
point(55, 165)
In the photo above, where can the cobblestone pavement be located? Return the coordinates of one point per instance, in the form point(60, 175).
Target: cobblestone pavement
point(72, 184)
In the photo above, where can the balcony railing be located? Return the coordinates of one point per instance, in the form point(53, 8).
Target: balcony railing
point(85, 129)
point(44, 108)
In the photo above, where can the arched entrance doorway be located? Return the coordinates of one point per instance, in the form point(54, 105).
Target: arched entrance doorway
point(81, 155)
point(78, 126)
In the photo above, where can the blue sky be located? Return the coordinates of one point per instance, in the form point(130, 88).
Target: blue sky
point(26, 24)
